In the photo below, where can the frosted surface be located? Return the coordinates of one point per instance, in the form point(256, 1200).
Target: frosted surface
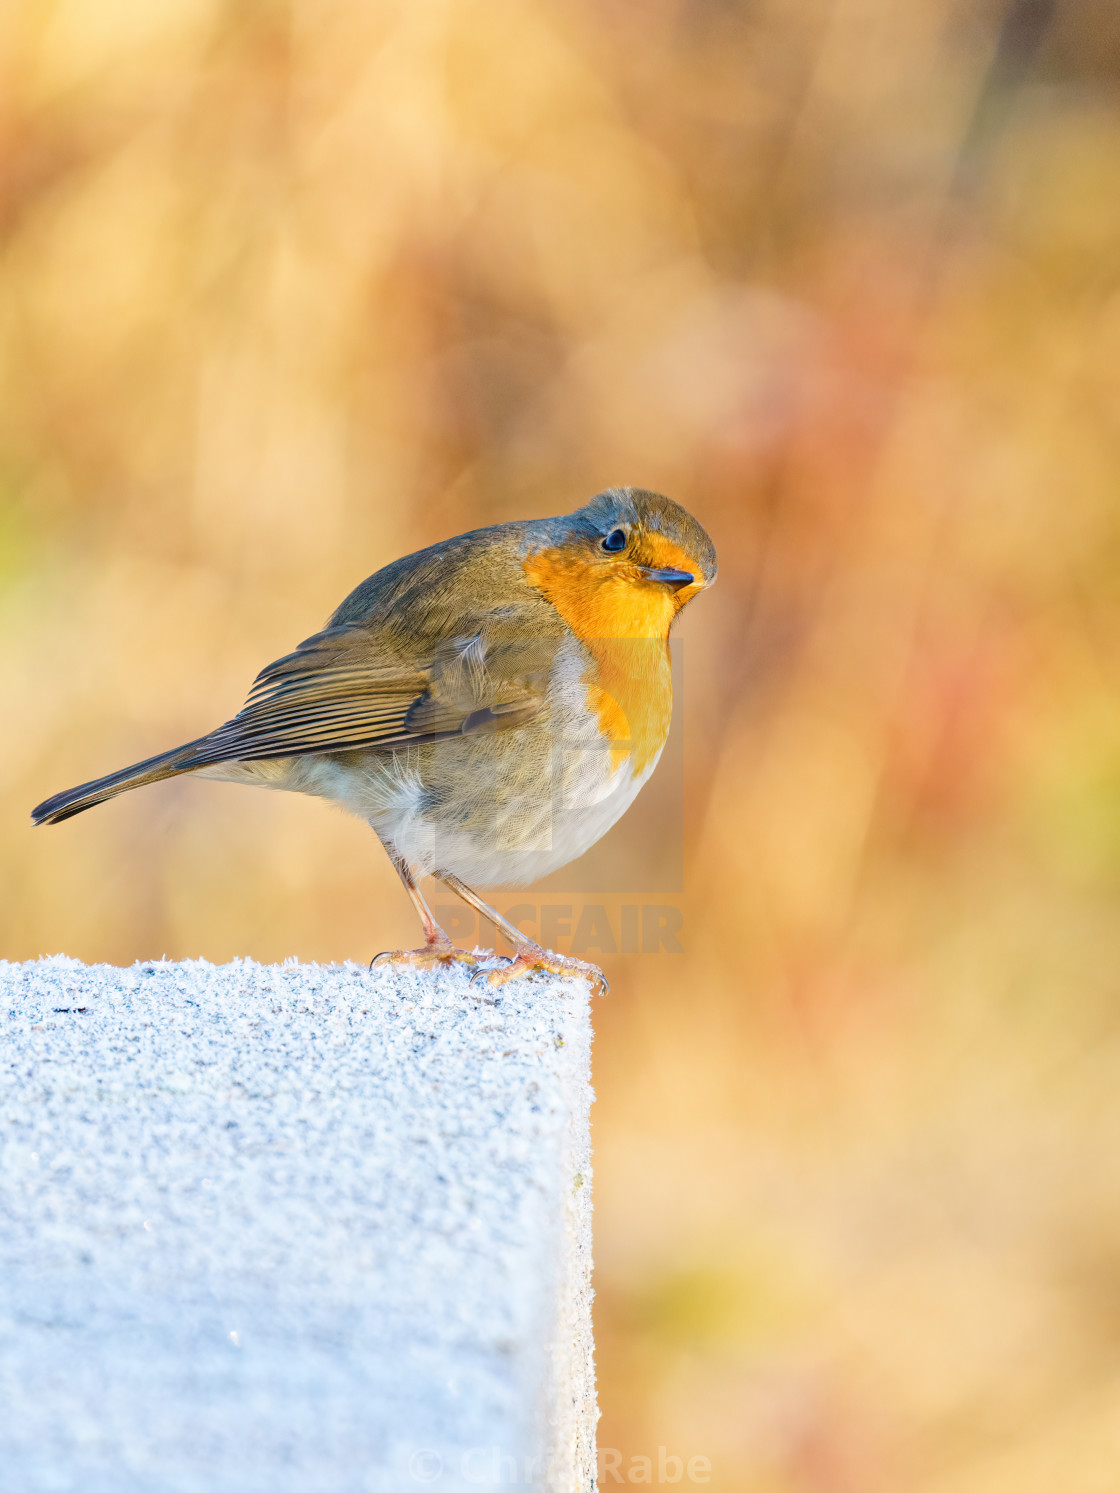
point(295, 1227)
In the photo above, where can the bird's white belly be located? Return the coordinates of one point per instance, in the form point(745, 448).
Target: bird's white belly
point(511, 833)
point(495, 810)
point(527, 840)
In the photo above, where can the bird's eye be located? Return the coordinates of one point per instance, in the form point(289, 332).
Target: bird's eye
point(615, 541)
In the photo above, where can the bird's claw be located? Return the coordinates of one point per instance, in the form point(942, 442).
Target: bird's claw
point(480, 974)
point(533, 959)
point(431, 956)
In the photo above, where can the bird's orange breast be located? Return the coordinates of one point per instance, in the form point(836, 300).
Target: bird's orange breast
point(625, 627)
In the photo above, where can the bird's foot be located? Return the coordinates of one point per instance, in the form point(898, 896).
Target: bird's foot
point(436, 954)
point(531, 958)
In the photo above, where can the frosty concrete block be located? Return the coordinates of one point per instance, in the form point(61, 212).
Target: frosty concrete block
point(298, 1227)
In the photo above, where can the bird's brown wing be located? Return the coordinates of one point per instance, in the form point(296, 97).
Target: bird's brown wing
point(344, 689)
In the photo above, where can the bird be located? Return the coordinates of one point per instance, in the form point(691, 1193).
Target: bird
point(490, 705)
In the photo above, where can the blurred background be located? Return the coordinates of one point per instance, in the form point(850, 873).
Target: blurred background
point(289, 289)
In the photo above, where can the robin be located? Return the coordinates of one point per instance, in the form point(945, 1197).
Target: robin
point(490, 705)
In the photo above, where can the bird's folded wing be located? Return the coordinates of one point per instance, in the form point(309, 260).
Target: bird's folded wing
point(339, 691)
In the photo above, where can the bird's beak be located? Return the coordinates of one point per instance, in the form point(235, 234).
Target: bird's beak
point(674, 578)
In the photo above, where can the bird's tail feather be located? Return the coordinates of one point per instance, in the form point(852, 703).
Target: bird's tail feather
point(74, 800)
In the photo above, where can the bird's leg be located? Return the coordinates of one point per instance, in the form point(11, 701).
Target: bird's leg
point(438, 948)
point(528, 956)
